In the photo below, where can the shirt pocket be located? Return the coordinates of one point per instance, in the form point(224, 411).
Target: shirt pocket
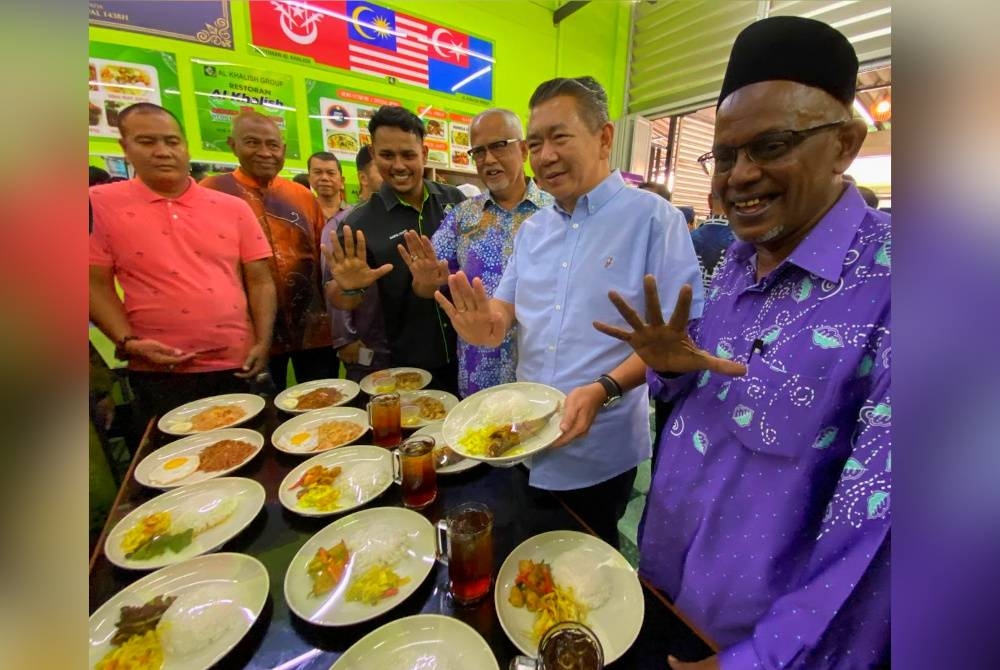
point(777, 413)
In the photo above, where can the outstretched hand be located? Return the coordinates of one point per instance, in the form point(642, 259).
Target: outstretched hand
point(665, 347)
point(469, 309)
point(422, 261)
point(349, 263)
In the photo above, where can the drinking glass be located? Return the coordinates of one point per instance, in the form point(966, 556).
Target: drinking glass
point(383, 415)
point(467, 549)
point(413, 469)
point(566, 646)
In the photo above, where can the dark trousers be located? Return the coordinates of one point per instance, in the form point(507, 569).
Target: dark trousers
point(599, 506)
point(309, 364)
point(156, 393)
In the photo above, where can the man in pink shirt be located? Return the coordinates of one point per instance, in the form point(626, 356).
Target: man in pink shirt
point(182, 254)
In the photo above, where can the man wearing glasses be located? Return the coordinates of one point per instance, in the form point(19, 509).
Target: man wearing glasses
point(768, 516)
point(599, 235)
point(477, 237)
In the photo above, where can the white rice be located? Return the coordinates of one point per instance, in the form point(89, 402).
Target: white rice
point(375, 544)
point(197, 619)
point(505, 406)
point(203, 513)
point(580, 570)
point(366, 478)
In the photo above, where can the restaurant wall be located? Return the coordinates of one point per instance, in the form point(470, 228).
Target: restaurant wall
point(527, 48)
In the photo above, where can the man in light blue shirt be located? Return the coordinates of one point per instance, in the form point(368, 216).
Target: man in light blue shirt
point(600, 235)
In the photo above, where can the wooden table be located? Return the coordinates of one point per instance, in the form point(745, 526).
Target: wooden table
point(281, 640)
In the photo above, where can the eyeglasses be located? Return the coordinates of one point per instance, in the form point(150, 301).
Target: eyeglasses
point(761, 150)
point(496, 148)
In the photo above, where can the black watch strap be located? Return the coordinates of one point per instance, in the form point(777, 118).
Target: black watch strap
point(611, 388)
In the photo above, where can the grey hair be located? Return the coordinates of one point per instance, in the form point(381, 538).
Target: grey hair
point(510, 117)
point(591, 99)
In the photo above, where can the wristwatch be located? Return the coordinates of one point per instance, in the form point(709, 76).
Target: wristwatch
point(120, 352)
point(611, 389)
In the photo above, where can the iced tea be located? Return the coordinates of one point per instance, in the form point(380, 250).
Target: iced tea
point(383, 415)
point(469, 551)
point(415, 473)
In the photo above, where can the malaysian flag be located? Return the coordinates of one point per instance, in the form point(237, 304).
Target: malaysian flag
point(383, 43)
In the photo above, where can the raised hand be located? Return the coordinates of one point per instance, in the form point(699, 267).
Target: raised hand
point(469, 310)
point(665, 347)
point(349, 263)
point(428, 272)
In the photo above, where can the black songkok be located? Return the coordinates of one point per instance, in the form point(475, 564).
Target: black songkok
point(791, 48)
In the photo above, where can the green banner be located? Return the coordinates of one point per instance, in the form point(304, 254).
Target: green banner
point(121, 76)
point(222, 91)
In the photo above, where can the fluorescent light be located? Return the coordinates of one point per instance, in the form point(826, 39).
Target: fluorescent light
point(474, 75)
point(863, 113)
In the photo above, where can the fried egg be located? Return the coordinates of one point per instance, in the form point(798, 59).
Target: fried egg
point(288, 403)
point(181, 426)
point(174, 469)
point(301, 441)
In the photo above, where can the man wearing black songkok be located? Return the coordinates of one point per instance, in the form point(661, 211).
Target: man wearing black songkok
point(768, 516)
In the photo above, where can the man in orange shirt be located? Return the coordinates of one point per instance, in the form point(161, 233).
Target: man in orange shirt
point(182, 255)
point(292, 221)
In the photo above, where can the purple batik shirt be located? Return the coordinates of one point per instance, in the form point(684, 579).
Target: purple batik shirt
point(768, 515)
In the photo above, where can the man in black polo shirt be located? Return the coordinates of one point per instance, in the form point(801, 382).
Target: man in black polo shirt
point(418, 333)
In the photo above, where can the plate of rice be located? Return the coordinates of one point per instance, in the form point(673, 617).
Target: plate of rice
point(320, 430)
point(587, 574)
point(213, 413)
point(337, 481)
point(360, 566)
point(192, 614)
point(450, 467)
point(422, 641)
point(317, 394)
point(505, 424)
point(197, 458)
point(183, 523)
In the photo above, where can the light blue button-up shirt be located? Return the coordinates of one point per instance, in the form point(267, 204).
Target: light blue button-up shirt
point(558, 279)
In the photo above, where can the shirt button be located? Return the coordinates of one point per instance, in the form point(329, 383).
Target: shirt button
point(551, 348)
point(558, 307)
point(565, 265)
point(576, 225)
point(175, 216)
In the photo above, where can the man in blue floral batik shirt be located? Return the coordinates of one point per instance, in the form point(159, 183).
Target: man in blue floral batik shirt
point(768, 518)
point(477, 237)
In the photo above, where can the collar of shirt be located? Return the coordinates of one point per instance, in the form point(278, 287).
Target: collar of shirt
point(149, 195)
point(597, 197)
point(246, 180)
point(532, 194)
point(823, 250)
point(391, 199)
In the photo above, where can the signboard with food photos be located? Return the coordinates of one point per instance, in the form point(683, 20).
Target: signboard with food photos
point(121, 76)
point(460, 144)
point(339, 118)
point(222, 91)
point(435, 134)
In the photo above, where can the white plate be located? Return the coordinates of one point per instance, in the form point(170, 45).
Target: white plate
point(368, 384)
point(616, 623)
point(420, 641)
point(309, 422)
point(243, 575)
point(358, 457)
point(177, 421)
point(333, 609)
point(190, 447)
point(434, 430)
point(286, 400)
point(470, 413)
point(249, 497)
point(448, 400)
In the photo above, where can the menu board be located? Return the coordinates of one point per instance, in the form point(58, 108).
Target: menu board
point(122, 76)
point(342, 117)
point(222, 91)
point(460, 144)
point(435, 134)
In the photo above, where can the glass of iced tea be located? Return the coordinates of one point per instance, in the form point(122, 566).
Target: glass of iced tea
point(467, 548)
point(383, 415)
point(413, 469)
point(566, 646)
